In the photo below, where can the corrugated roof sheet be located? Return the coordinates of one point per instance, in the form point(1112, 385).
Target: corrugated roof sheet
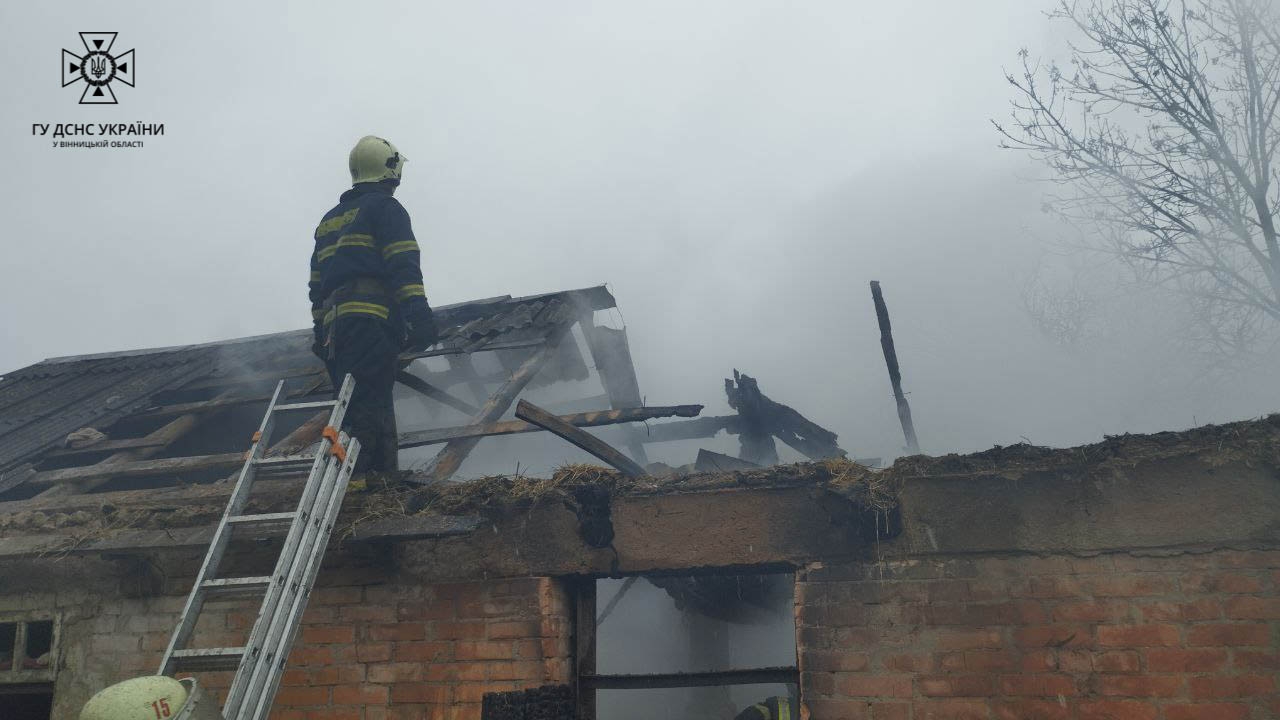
point(42, 403)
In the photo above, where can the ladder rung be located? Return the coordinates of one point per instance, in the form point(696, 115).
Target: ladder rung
point(264, 523)
point(207, 659)
point(284, 460)
point(235, 587)
point(305, 405)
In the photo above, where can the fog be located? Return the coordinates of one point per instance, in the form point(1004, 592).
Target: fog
point(736, 171)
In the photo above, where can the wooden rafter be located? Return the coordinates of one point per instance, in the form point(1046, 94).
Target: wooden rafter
point(527, 411)
point(416, 383)
point(512, 427)
point(450, 458)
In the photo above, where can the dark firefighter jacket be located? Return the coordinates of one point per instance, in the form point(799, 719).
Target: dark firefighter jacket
point(365, 245)
point(775, 708)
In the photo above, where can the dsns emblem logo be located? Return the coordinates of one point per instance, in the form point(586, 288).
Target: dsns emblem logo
point(98, 68)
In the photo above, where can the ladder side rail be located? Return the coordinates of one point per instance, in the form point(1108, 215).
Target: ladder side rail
point(266, 694)
point(280, 584)
point(267, 630)
point(221, 536)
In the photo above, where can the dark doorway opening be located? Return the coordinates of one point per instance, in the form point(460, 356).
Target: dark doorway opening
point(28, 702)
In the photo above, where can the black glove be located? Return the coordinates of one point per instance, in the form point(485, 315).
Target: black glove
point(317, 343)
point(420, 326)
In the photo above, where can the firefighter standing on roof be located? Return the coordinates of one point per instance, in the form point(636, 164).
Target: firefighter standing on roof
point(367, 297)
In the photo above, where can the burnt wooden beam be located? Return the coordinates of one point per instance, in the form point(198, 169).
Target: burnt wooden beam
point(416, 383)
point(895, 375)
point(513, 427)
point(709, 461)
point(761, 414)
point(104, 446)
point(188, 538)
point(163, 466)
point(463, 349)
point(584, 646)
point(611, 354)
point(699, 429)
point(450, 458)
point(753, 676)
point(163, 437)
point(526, 410)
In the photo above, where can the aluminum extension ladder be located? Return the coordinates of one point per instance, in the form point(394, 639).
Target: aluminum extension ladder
point(260, 662)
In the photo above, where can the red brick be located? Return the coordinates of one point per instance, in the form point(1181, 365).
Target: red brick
point(1117, 661)
point(1252, 608)
point(1033, 661)
point(1032, 710)
point(1250, 559)
point(874, 685)
point(398, 631)
point(950, 710)
point(373, 652)
point(460, 630)
point(969, 639)
point(887, 711)
point(1218, 711)
point(1127, 636)
point(325, 634)
point(1202, 609)
point(1037, 636)
point(834, 661)
point(1051, 587)
point(1179, 660)
point(835, 709)
point(1137, 585)
point(956, 685)
point(367, 613)
point(904, 662)
point(360, 695)
point(1234, 635)
point(1138, 685)
point(1216, 687)
point(530, 670)
point(982, 661)
point(480, 650)
point(1250, 660)
point(1091, 611)
point(395, 672)
point(434, 610)
point(513, 630)
point(1116, 710)
point(1234, 583)
point(302, 696)
point(419, 693)
point(422, 652)
point(1042, 685)
point(334, 714)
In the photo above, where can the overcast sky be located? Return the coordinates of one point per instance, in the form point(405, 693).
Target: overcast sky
point(735, 171)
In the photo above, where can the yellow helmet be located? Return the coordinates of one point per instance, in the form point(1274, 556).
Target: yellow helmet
point(374, 159)
point(143, 698)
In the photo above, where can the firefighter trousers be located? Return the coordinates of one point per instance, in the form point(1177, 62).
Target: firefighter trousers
point(365, 348)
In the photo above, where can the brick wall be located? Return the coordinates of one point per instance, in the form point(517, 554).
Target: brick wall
point(1111, 637)
point(384, 652)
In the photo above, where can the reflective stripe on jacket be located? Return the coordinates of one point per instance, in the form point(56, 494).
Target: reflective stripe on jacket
point(365, 237)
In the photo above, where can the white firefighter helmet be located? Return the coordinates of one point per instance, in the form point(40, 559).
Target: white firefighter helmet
point(142, 698)
point(374, 159)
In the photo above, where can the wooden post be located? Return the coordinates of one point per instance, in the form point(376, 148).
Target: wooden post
point(895, 376)
point(584, 637)
point(529, 412)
